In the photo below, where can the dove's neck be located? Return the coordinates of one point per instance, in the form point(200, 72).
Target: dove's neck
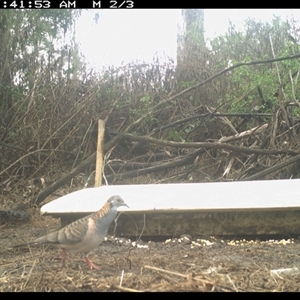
point(105, 210)
point(103, 223)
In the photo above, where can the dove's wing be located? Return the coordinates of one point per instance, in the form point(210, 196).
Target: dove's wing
point(68, 235)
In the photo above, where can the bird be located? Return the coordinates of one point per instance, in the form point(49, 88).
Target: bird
point(82, 235)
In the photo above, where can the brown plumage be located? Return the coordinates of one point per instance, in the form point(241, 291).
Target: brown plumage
point(84, 234)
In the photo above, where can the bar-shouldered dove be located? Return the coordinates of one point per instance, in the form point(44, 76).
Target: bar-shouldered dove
point(84, 234)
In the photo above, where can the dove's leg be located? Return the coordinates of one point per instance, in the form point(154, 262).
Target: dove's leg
point(91, 265)
point(63, 257)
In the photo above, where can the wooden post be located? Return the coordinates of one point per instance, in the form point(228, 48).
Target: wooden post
point(99, 153)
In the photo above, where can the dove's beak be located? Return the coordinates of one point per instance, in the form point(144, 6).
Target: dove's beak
point(126, 205)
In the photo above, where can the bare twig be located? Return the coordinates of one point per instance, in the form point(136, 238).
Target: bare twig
point(30, 273)
point(281, 90)
point(232, 283)
point(243, 134)
point(124, 289)
point(164, 271)
point(121, 278)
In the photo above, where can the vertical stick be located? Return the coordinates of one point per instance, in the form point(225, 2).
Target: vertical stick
point(99, 153)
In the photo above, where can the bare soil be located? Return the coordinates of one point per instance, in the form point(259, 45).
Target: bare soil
point(178, 264)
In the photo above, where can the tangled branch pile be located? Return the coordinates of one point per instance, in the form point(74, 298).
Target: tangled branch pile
point(222, 114)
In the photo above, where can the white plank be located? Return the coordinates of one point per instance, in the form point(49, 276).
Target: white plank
point(202, 197)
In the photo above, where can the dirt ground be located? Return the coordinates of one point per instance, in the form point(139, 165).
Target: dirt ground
point(178, 264)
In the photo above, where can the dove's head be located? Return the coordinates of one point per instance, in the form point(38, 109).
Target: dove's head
point(116, 201)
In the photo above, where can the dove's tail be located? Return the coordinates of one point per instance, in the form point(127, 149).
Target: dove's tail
point(24, 244)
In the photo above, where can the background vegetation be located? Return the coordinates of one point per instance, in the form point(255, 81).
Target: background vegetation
point(225, 111)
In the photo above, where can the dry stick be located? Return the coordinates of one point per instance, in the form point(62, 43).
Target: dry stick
point(293, 86)
point(206, 145)
point(116, 221)
point(281, 91)
point(143, 229)
point(274, 129)
point(99, 153)
point(230, 160)
point(232, 283)
point(164, 271)
point(178, 274)
point(273, 169)
point(106, 156)
point(294, 83)
point(127, 165)
point(124, 289)
point(241, 135)
point(30, 272)
point(121, 279)
point(130, 247)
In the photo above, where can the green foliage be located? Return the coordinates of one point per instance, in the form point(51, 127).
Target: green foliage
point(146, 100)
point(28, 39)
point(175, 136)
point(258, 41)
point(187, 84)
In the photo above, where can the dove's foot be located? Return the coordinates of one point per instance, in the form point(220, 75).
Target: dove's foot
point(91, 265)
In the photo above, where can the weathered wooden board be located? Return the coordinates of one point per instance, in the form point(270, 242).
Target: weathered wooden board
point(219, 208)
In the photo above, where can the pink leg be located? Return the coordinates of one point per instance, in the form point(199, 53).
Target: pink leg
point(63, 257)
point(90, 264)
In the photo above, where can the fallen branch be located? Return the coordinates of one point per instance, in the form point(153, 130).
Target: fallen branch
point(273, 169)
point(206, 145)
point(186, 160)
point(211, 116)
point(243, 134)
point(129, 166)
